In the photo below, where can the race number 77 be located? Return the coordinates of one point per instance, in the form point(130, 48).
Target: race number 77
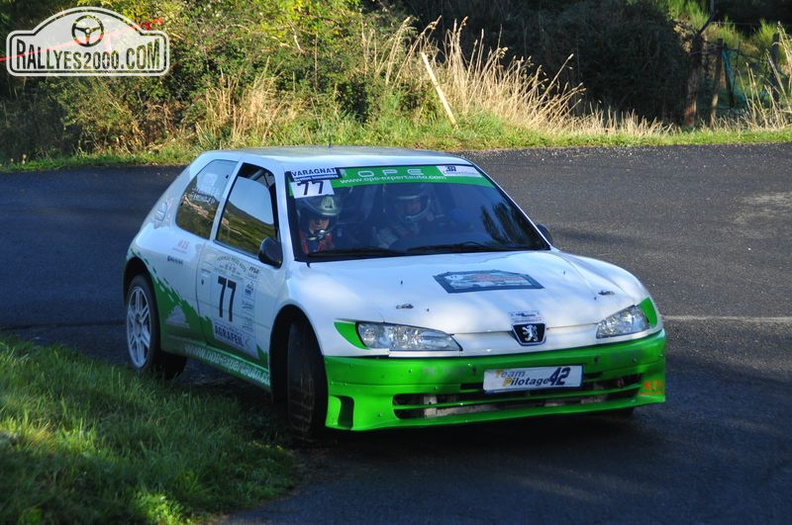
point(230, 285)
point(311, 188)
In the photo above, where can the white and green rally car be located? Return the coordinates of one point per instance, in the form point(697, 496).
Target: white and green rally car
point(368, 288)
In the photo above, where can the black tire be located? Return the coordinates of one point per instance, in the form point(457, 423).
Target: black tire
point(621, 414)
point(143, 333)
point(306, 384)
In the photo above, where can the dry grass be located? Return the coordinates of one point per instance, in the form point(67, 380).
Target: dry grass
point(770, 98)
point(482, 81)
point(390, 58)
point(480, 84)
point(598, 121)
point(516, 92)
point(238, 116)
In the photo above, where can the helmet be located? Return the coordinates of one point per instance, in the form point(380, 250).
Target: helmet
point(317, 208)
point(326, 206)
point(408, 202)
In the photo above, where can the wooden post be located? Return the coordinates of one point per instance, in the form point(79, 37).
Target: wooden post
point(774, 71)
point(727, 75)
point(693, 81)
point(439, 90)
point(716, 82)
point(695, 70)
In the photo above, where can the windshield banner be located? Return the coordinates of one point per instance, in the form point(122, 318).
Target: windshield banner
point(458, 174)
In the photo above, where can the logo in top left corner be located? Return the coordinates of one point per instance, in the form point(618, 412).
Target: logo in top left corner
point(87, 30)
point(87, 41)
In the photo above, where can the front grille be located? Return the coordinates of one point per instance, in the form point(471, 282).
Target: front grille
point(472, 399)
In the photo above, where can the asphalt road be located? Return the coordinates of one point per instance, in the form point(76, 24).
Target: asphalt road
point(707, 229)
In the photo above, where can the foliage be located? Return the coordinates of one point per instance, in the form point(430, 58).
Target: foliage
point(258, 72)
point(746, 14)
point(625, 54)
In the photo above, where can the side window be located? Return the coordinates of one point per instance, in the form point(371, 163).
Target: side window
point(249, 214)
point(201, 199)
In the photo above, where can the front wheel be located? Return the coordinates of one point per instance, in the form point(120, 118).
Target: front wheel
point(306, 383)
point(143, 335)
point(620, 414)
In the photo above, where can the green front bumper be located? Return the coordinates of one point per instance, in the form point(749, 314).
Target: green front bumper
point(369, 393)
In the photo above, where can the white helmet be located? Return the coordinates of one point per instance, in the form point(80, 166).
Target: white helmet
point(408, 202)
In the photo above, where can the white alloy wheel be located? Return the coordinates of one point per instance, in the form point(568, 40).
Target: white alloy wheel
point(143, 336)
point(139, 326)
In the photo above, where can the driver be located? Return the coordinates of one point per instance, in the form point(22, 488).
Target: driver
point(317, 218)
point(409, 208)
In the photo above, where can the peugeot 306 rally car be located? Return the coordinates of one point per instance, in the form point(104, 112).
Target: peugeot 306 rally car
point(367, 288)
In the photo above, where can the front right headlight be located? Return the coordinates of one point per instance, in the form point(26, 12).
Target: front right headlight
point(405, 338)
point(628, 321)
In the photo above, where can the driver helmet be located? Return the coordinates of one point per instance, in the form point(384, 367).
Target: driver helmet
point(409, 203)
point(318, 208)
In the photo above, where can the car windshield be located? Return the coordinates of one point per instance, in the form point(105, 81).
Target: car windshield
point(360, 212)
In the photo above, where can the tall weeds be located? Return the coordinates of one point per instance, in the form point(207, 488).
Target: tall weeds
point(514, 91)
point(370, 87)
point(238, 116)
point(482, 81)
point(486, 91)
point(770, 97)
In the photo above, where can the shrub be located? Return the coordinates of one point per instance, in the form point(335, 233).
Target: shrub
point(625, 53)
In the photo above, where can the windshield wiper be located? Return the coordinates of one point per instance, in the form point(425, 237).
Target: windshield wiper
point(365, 251)
point(466, 247)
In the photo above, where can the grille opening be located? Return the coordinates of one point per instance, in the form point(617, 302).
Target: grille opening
point(473, 399)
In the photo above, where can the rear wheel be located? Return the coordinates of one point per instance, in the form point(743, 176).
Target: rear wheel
point(143, 334)
point(306, 383)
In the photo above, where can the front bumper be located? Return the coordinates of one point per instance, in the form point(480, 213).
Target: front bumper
point(370, 393)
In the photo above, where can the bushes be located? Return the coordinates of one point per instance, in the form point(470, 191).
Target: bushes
point(627, 56)
point(625, 53)
point(257, 72)
point(224, 54)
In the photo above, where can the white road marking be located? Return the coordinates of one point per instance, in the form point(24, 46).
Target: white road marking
point(738, 319)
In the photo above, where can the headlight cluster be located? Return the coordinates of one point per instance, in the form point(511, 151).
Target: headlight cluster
point(405, 338)
point(628, 321)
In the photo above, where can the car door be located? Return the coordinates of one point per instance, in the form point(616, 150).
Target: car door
point(182, 247)
point(235, 290)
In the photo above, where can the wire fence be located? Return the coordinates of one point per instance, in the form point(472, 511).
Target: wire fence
point(725, 80)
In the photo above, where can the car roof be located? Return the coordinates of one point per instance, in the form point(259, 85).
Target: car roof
point(339, 156)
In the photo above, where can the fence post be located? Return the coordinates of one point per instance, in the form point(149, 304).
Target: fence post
point(774, 71)
point(716, 81)
point(439, 90)
point(693, 81)
point(727, 75)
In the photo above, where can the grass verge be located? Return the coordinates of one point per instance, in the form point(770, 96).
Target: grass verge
point(481, 133)
point(83, 441)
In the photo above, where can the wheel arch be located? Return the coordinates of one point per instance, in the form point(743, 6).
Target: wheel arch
point(279, 340)
point(134, 267)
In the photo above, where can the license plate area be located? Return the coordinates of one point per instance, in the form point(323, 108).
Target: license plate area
point(538, 378)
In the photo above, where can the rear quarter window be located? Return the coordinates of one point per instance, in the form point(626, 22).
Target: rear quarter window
point(201, 198)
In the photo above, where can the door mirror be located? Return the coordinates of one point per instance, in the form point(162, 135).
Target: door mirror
point(544, 231)
point(271, 252)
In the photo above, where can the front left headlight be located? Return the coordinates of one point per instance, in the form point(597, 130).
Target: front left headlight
point(628, 321)
point(405, 338)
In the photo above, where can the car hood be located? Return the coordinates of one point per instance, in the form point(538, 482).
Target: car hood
point(468, 293)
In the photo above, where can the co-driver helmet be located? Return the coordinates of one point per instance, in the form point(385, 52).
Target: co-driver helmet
point(408, 202)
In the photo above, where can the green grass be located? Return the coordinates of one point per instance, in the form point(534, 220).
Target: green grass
point(474, 133)
point(82, 441)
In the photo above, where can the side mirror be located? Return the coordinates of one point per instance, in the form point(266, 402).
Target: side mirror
point(544, 231)
point(271, 252)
